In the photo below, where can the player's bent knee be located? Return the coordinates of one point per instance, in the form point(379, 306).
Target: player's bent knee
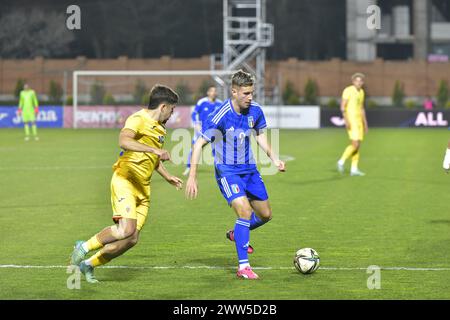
point(133, 240)
point(242, 208)
point(267, 217)
point(111, 247)
point(120, 232)
point(245, 214)
point(128, 233)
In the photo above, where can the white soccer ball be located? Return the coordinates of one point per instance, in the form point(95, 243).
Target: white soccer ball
point(306, 260)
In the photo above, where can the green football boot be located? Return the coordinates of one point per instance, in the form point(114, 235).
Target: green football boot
point(78, 254)
point(88, 271)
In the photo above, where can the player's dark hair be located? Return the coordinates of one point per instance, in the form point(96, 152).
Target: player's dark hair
point(242, 79)
point(161, 94)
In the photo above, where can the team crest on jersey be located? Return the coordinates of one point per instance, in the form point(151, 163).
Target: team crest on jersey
point(251, 122)
point(235, 188)
point(161, 139)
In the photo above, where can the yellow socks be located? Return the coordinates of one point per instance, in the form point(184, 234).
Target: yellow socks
point(27, 129)
point(352, 152)
point(347, 154)
point(92, 244)
point(96, 260)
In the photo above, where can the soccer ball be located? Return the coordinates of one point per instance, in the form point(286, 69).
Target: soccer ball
point(306, 260)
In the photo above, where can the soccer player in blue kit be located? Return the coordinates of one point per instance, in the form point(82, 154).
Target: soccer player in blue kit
point(229, 129)
point(201, 111)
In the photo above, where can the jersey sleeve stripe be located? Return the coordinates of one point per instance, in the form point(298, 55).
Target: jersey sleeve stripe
point(220, 115)
point(220, 111)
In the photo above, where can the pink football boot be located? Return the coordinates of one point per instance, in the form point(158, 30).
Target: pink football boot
point(247, 273)
point(230, 236)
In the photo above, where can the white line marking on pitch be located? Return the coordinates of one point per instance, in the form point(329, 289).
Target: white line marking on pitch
point(15, 266)
point(56, 168)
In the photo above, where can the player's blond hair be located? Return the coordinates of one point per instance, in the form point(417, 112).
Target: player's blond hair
point(242, 79)
point(358, 75)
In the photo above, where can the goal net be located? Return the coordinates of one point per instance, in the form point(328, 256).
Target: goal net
point(104, 99)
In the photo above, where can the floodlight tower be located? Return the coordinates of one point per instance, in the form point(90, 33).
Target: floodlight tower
point(246, 36)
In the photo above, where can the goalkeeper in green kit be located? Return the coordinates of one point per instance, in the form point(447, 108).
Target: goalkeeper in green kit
point(29, 108)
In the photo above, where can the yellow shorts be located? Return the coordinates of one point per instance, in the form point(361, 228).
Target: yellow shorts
point(356, 131)
point(129, 200)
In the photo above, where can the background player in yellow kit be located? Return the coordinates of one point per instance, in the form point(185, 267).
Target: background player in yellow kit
point(352, 108)
point(141, 139)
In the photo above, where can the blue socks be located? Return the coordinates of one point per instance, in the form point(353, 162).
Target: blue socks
point(242, 238)
point(256, 222)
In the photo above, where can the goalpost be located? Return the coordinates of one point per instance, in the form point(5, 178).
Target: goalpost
point(220, 78)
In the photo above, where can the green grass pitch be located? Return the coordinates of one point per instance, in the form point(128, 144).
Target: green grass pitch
point(56, 191)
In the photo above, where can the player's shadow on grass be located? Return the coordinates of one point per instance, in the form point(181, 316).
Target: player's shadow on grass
point(117, 275)
point(210, 261)
point(223, 263)
point(442, 221)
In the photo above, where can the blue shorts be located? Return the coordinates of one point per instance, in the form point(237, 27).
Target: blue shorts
point(249, 185)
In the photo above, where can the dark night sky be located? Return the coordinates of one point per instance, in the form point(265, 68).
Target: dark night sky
point(306, 29)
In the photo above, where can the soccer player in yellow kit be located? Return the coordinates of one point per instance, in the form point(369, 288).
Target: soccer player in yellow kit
point(29, 108)
point(142, 139)
point(352, 108)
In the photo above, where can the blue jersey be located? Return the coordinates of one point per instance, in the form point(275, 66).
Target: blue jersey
point(230, 133)
point(203, 108)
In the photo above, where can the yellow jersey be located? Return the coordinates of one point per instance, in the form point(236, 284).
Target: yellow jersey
point(355, 102)
point(139, 166)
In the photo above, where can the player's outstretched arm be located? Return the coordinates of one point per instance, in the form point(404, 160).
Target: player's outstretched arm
point(127, 141)
point(191, 184)
point(366, 126)
point(262, 141)
point(175, 181)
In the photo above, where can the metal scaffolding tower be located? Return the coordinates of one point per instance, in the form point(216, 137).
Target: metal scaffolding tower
point(245, 37)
